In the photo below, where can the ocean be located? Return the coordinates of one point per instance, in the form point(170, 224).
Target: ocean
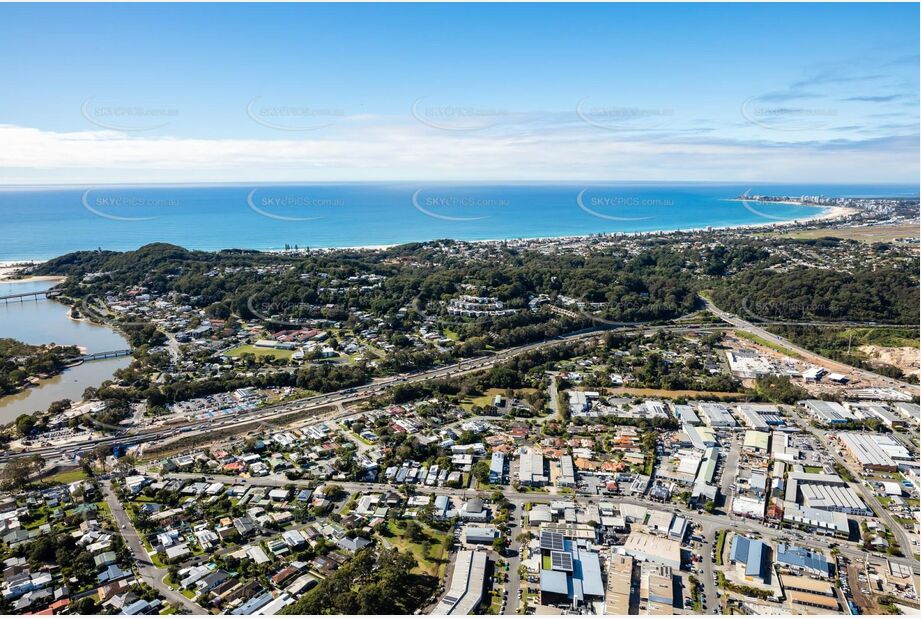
point(38, 223)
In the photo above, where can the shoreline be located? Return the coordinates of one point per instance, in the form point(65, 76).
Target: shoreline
point(9, 268)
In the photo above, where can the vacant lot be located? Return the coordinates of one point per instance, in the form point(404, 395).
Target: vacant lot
point(878, 233)
point(243, 349)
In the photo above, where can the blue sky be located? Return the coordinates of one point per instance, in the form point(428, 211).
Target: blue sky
point(209, 93)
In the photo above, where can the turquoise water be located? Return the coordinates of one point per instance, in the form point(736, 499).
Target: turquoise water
point(40, 223)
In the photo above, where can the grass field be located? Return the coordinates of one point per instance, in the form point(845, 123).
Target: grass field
point(65, 478)
point(741, 334)
point(243, 349)
point(878, 233)
point(432, 564)
point(487, 398)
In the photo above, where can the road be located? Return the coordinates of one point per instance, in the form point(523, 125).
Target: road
point(808, 355)
point(744, 526)
point(514, 561)
point(151, 575)
point(883, 513)
point(307, 405)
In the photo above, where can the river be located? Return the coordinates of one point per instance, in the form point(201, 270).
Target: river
point(46, 321)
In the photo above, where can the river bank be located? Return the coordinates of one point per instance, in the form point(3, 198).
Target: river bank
point(43, 321)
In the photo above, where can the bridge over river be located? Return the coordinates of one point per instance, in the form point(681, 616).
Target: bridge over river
point(24, 296)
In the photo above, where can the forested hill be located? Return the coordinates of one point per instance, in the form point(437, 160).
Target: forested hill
point(648, 279)
point(885, 295)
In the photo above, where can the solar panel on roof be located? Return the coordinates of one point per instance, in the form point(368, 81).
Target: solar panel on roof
point(551, 541)
point(561, 561)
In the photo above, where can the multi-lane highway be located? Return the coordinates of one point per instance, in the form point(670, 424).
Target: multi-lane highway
point(319, 403)
point(807, 355)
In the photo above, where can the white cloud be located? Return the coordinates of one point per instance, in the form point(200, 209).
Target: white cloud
point(375, 148)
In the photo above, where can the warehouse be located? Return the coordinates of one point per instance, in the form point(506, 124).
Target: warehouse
point(807, 584)
point(829, 412)
point(574, 577)
point(802, 560)
point(753, 556)
point(467, 582)
point(651, 548)
point(814, 600)
point(620, 583)
point(827, 522)
point(877, 411)
point(657, 591)
point(686, 415)
point(833, 498)
point(567, 476)
point(700, 437)
point(757, 441)
point(531, 468)
point(825, 492)
point(708, 466)
point(716, 415)
point(873, 452)
point(761, 417)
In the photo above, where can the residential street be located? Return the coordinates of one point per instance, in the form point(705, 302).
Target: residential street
point(151, 575)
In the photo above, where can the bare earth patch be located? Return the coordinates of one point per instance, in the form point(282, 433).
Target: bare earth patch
point(905, 358)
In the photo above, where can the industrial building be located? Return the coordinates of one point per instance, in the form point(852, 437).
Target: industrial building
point(824, 492)
point(873, 451)
point(686, 415)
point(700, 437)
point(716, 415)
point(761, 417)
point(827, 522)
point(748, 364)
point(757, 441)
point(574, 577)
point(878, 411)
point(567, 476)
point(497, 468)
point(647, 547)
point(620, 585)
point(476, 535)
point(467, 584)
point(657, 591)
point(802, 560)
point(751, 559)
point(828, 412)
point(531, 468)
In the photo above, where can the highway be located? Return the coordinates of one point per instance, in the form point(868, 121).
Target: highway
point(807, 355)
point(317, 403)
